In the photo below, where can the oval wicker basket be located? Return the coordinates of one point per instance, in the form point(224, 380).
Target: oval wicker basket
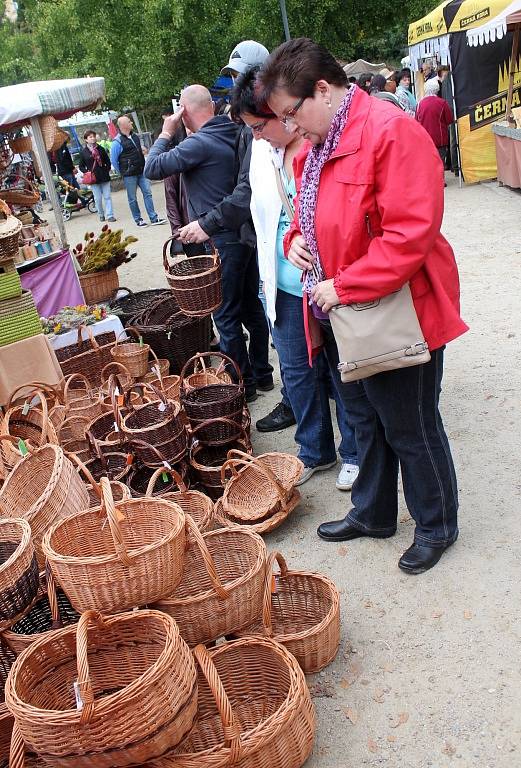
point(135, 692)
point(202, 374)
point(139, 479)
point(206, 462)
point(43, 488)
point(196, 282)
point(19, 580)
point(264, 526)
point(87, 402)
point(222, 585)
point(286, 467)
point(221, 432)
point(28, 423)
point(99, 286)
point(134, 560)
point(132, 355)
point(302, 611)
point(262, 719)
point(193, 503)
point(169, 385)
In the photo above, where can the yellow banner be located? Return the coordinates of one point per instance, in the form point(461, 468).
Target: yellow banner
point(475, 13)
point(431, 25)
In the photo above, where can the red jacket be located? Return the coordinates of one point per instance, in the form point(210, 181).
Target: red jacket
point(378, 218)
point(435, 115)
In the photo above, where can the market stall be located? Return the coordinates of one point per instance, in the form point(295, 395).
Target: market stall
point(507, 134)
point(472, 38)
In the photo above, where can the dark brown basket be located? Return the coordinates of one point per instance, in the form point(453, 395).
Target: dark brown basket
point(16, 596)
point(178, 340)
point(111, 464)
point(206, 462)
point(221, 431)
point(134, 304)
point(160, 312)
point(140, 477)
point(91, 360)
point(157, 422)
point(84, 345)
point(196, 282)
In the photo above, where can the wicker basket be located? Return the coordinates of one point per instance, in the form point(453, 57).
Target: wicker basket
point(193, 503)
point(221, 432)
point(157, 367)
point(99, 286)
point(87, 404)
point(301, 611)
point(51, 610)
point(10, 228)
point(223, 585)
point(19, 319)
point(21, 145)
point(134, 304)
point(27, 423)
point(134, 560)
point(262, 718)
point(10, 284)
point(196, 282)
point(204, 372)
point(264, 526)
point(136, 682)
point(23, 193)
point(206, 462)
point(43, 488)
point(139, 479)
point(123, 378)
point(158, 423)
point(178, 340)
point(18, 570)
point(89, 357)
point(134, 356)
point(6, 727)
point(216, 401)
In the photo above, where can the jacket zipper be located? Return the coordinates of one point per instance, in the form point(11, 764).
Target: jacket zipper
point(368, 225)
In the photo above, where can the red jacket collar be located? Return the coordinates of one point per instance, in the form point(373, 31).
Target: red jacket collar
point(351, 138)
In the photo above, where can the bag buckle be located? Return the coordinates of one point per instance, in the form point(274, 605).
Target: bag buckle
point(416, 349)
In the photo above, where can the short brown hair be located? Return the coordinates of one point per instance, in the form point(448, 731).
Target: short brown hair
point(297, 66)
point(88, 133)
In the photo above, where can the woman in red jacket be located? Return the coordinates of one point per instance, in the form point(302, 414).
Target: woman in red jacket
point(435, 115)
point(364, 227)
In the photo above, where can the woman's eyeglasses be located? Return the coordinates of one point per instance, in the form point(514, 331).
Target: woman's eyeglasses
point(259, 127)
point(289, 117)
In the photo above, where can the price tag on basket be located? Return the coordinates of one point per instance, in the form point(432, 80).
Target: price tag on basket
point(26, 408)
point(22, 447)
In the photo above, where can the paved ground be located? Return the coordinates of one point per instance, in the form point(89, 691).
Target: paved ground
point(428, 673)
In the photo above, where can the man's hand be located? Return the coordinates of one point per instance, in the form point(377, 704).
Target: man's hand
point(325, 296)
point(171, 123)
point(299, 255)
point(193, 233)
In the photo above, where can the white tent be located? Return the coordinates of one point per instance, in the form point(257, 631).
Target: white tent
point(361, 67)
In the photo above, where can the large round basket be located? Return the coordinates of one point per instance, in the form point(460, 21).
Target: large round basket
point(262, 717)
point(134, 694)
point(159, 424)
point(196, 282)
point(99, 286)
point(140, 476)
point(223, 583)
point(301, 611)
point(18, 570)
point(129, 556)
point(43, 488)
point(194, 503)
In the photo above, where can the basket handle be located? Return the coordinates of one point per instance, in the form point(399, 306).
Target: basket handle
point(108, 506)
point(93, 343)
point(45, 412)
point(266, 605)
point(53, 598)
point(14, 441)
point(176, 477)
point(223, 420)
point(123, 369)
point(166, 265)
point(84, 683)
point(73, 377)
point(38, 385)
point(209, 564)
point(200, 355)
point(231, 463)
point(86, 471)
point(231, 726)
point(132, 330)
point(144, 444)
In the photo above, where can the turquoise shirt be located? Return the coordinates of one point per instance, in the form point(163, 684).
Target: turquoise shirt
point(288, 276)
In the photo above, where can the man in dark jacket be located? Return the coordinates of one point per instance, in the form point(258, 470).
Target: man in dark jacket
point(207, 161)
point(62, 162)
point(128, 160)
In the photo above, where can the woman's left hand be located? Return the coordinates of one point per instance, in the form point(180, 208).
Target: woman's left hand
point(325, 296)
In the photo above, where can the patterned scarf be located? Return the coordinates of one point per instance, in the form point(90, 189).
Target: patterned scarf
point(309, 189)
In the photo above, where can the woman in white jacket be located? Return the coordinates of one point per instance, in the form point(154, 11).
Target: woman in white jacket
point(273, 190)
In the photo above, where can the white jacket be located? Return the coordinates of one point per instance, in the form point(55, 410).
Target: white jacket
point(266, 207)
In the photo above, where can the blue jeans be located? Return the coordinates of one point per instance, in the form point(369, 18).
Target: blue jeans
point(242, 306)
point(71, 178)
point(398, 424)
point(101, 194)
point(131, 185)
point(307, 389)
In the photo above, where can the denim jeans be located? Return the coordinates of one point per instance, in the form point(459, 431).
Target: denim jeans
point(101, 194)
point(242, 306)
point(307, 389)
point(131, 185)
point(71, 179)
point(398, 424)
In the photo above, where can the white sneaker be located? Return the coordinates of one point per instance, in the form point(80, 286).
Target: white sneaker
point(310, 471)
point(346, 477)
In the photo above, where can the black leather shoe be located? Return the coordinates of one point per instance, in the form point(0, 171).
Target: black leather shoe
point(266, 386)
point(342, 530)
point(251, 394)
point(418, 559)
point(280, 417)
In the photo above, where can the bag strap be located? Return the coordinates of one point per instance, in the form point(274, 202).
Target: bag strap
point(284, 198)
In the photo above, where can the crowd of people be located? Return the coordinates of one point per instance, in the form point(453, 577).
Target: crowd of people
point(308, 187)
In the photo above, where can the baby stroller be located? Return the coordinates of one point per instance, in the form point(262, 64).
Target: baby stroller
point(73, 199)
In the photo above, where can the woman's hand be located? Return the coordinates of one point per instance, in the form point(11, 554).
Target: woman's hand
point(325, 296)
point(298, 254)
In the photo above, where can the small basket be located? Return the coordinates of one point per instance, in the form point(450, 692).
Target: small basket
point(135, 679)
point(262, 719)
point(134, 560)
point(178, 339)
point(214, 401)
point(18, 570)
point(10, 284)
point(161, 366)
point(196, 282)
point(134, 356)
point(206, 462)
point(27, 423)
point(89, 357)
point(264, 526)
point(204, 374)
point(301, 611)
point(193, 503)
point(158, 423)
point(99, 286)
point(222, 585)
point(87, 403)
point(21, 145)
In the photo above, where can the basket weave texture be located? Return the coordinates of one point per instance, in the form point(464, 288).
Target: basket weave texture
point(99, 286)
point(87, 357)
point(193, 503)
point(19, 319)
point(134, 356)
point(136, 682)
point(196, 282)
point(18, 570)
point(10, 284)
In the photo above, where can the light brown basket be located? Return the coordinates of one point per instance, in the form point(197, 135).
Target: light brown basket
point(286, 467)
point(18, 570)
point(43, 488)
point(99, 286)
point(169, 385)
point(264, 526)
point(28, 423)
point(135, 559)
point(262, 717)
point(204, 374)
point(223, 585)
point(253, 491)
point(302, 611)
point(160, 364)
point(134, 694)
point(134, 356)
point(194, 503)
point(21, 144)
point(6, 727)
point(86, 403)
point(120, 491)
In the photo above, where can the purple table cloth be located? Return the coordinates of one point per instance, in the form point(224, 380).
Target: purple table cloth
point(54, 285)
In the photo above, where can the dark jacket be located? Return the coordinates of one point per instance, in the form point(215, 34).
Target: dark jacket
point(61, 160)
point(207, 161)
point(127, 156)
point(101, 173)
